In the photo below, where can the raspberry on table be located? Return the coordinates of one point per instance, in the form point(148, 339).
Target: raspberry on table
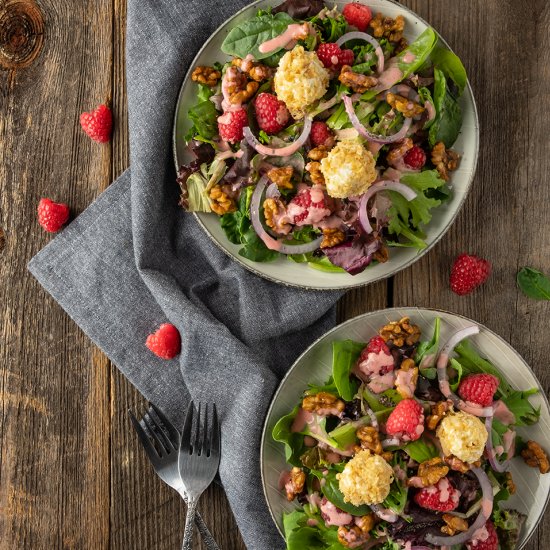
point(357, 15)
point(468, 272)
point(52, 216)
point(98, 123)
point(415, 158)
point(333, 57)
point(165, 342)
point(406, 421)
point(231, 124)
point(271, 113)
point(320, 134)
point(478, 388)
point(441, 497)
point(486, 538)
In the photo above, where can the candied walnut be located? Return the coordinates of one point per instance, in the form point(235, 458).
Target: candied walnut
point(281, 176)
point(400, 333)
point(357, 82)
point(534, 456)
point(256, 71)
point(274, 211)
point(509, 483)
point(459, 466)
point(234, 80)
point(444, 160)
point(320, 152)
point(220, 202)
point(397, 152)
point(323, 403)
point(404, 105)
point(352, 537)
point(242, 96)
point(206, 75)
point(332, 236)
point(406, 379)
point(382, 255)
point(453, 524)
point(439, 410)
point(431, 471)
point(315, 174)
point(366, 523)
point(295, 484)
point(389, 28)
point(370, 439)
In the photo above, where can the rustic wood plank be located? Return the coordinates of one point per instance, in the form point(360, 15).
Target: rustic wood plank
point(54, 416)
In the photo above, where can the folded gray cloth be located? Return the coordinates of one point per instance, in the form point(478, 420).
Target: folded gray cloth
point(134, 260)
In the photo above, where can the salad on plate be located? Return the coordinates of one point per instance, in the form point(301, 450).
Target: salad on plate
point(406, 446)
point(326, 138)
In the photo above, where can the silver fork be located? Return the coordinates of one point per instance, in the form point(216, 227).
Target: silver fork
point(161, 444)
point(199, 458)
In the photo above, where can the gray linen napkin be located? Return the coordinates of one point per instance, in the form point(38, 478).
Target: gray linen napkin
point(134, 260)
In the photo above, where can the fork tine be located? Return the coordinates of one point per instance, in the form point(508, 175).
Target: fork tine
point(214, 449)
point(185, 441)
point(173, 433)
point(158, 433)
point(196, 439)
point(144, 439)
point(206, 432)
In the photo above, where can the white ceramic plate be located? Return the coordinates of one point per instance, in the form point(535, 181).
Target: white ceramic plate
point(290, 273)
point(315, 364)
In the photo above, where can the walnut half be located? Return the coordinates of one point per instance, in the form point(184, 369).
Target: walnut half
point(295, 484)
point(404, 105)
point(206, 75)
point(359, 83)
point(370, 439)
point(444, 160)
point(323, 403)
point(400, 333)
point(332, 236)
point(281, 176)
point(220, 202)
point(389, 28)
point(534, 456)
point(453, 524)
point(431, 471)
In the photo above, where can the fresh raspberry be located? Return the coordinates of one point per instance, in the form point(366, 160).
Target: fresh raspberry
point(52, 216)
point(478, 388)
point(376, 345)
point(406, 421)
point(231, 124)
point(441, 497)
point(357, 14)
point(415, 158)
point(271, 113)
point(467, 273)
point(98, 123)
point(320, 133)
point(333, 57)
point(486, 538)
point(165, 342)
point(304, 210)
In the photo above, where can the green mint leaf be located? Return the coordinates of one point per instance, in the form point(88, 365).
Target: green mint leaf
point(533, 283)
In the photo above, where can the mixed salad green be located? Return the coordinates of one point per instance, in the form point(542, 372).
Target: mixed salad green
point(324, 141)
point(406, 445)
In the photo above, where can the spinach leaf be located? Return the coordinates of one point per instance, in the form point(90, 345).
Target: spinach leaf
point(344, 435)
point(205, 121)
point(330, 387)
point(414, 56)
point(429, 347)
point(254, 248)
point(448, 120)
point(518, 403)
point(533, 283)
point(331, 490)
point(293, 441)
point(247, 37)
point(420, 450)
point(448, 62)
point(344, 355)
point(330, 28)
point(426, 96)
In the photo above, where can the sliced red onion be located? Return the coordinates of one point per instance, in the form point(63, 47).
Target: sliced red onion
point(400, 188)
point(482, 517)
point(369, 135)
point(278, 151)
point(391, 442)
point(272, 191)
point(384, 513)
point(444, 386)
point(270, 242)
point(491, 453)
point(356, 35)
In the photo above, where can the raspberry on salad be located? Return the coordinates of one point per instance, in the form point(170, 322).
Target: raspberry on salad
point(308, 206)
point(357, 15)
point(406, 421)
point(231, 124)
point(468, 272)
point(478, 388)
point(333, 57)
point(415, 158)
point(98, 123)
point(271, 113)
point(165, 342)
point(441, 497)
point(376, 345)
point(320, 134)
point(52, 216)
point(485, 538)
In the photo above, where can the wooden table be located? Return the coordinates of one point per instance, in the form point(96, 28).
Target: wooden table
point(71, 472)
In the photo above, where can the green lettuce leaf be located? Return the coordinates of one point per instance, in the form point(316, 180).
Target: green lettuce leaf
point(508, 524)
point(448, 120)
point(519, 404)
point(344, 355)
point(205, 121)
point(421, 450)
point(293, 441)
point(451, 66)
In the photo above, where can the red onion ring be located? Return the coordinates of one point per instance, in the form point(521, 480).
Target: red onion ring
point(356, 35)
point(272, 191)
point(400, 188)
point(482, 517)
point(269, 241)
point(369, 135)
point(383, 513)
point(280, 151)
point(444, 386)
point(491, 454)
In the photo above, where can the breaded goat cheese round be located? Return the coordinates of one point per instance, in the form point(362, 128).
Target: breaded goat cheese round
point(462, 435)
point(300, 80)
point(366, 479)
point(349, 169)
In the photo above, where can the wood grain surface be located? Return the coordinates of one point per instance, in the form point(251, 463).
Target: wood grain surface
point(71, 473)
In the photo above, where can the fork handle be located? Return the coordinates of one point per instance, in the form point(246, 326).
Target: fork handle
point(207, 537)
point(189, 521)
